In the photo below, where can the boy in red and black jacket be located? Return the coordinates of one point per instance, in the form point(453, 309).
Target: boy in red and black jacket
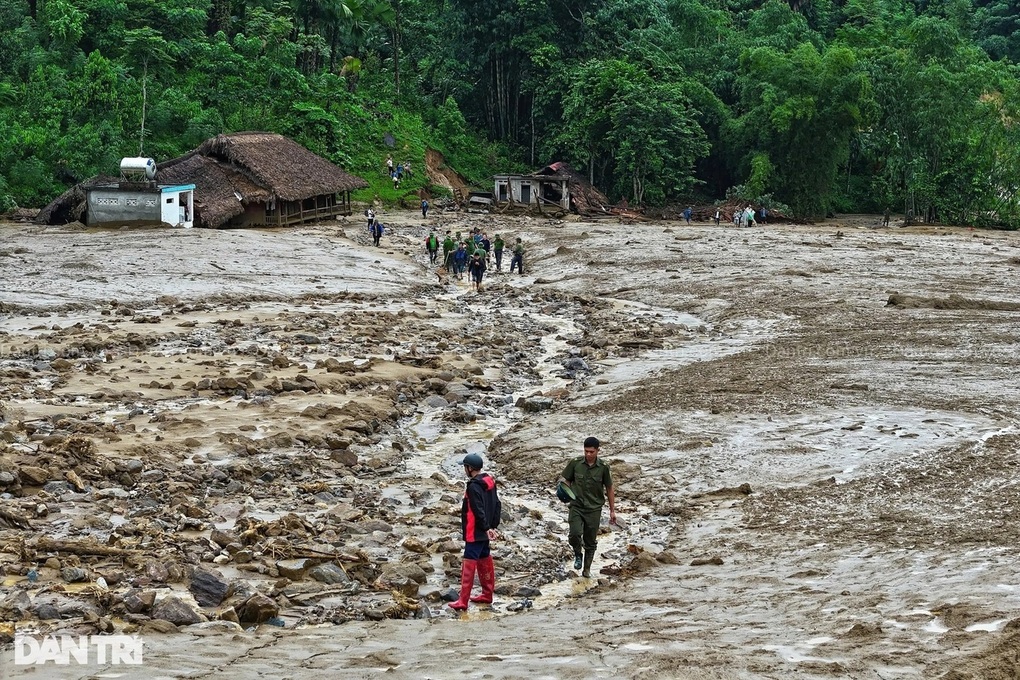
point(479, 519)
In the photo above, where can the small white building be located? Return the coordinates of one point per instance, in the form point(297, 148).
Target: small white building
point(137, 200)
point(136, 203)
point(533, 191)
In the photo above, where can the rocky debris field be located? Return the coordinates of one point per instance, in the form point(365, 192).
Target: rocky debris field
point(252, 460)
point(812, 432)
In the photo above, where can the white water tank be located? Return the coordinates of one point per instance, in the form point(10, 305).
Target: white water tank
point(138, 166)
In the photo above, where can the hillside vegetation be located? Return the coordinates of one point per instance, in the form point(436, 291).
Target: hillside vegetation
point(820, 105)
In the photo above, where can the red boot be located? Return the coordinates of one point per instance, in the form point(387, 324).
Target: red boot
point(487, 577)
point(467, 579)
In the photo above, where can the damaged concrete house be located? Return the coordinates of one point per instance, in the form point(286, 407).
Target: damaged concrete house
point(245, 179)
point(556, 188)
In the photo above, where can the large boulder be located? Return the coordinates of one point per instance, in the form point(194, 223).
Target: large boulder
point(209, 587)
point(176, 611)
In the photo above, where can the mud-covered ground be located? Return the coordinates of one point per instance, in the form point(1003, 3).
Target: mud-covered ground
point(243, 446)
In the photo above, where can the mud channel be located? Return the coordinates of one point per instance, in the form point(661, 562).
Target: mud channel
point(243, 447)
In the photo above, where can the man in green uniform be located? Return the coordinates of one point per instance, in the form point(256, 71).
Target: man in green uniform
point(448, 247)
point(590, 480)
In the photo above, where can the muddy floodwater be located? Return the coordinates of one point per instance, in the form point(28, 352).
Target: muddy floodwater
point(243, 446)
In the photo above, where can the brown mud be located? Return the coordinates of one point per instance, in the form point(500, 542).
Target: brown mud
point(811, 483)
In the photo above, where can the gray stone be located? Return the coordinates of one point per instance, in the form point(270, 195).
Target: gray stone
point(293, 569)
point(113, 492)
point(16, 606)
point(57, 488)
point(368, 526)
point(137, 601)
point(132, 465)
point(307, 339)
point(208, 587)
point(329, 573)
point(344, 457)
point(528, 591)
point(222, 538)
point(435, 401)
point(535, 404)
point(47, 612)
point(576, 364)
point(176, 611)
point(8, 478)
point(74, 574)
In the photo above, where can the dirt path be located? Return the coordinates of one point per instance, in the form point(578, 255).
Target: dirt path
point(813, 482)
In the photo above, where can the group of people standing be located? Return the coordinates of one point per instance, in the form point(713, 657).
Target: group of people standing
point(398, 172)
point(472, 254)
point(590, 482)
point(741, 218)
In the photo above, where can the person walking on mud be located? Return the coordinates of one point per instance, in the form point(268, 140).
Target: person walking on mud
point(591, 482)
point(497, 248)
point(518, 259)
point(377, 232)
point(432, 245)
point(476, 268)
point(479, 518)
point(460, 260)
point(448, 247)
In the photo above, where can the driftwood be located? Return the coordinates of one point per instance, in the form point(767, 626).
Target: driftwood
point(13, 519)
point(80, 548)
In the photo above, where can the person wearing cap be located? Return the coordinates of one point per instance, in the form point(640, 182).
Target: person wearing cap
point(591, 481)
point(479, 519)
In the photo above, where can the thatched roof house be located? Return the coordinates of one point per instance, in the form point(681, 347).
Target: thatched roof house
point(70, 205)
point(247, 179)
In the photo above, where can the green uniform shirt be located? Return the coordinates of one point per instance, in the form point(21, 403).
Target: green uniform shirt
point(588, 483)
point(498, 244)
point(448, 245)
point(519, 249)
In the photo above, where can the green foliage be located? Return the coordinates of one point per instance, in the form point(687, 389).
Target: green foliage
point(820, 105)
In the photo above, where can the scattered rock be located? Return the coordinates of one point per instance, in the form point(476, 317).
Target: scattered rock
point(329, 573)
point(33, 476)
point(74, 574)
point(257, 609)
point(176, 611)
point(208, 587)
point(699, 561)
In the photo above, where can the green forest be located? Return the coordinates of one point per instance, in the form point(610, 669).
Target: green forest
point(811, 106)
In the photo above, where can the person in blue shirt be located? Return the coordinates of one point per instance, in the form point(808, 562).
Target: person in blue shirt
point(460, 259)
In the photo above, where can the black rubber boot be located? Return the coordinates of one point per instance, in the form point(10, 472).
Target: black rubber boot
point(589, 556)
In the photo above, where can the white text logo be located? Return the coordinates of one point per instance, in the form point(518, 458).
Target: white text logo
point(68, 649)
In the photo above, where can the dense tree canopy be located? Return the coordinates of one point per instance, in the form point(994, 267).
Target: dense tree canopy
point(818, 105)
